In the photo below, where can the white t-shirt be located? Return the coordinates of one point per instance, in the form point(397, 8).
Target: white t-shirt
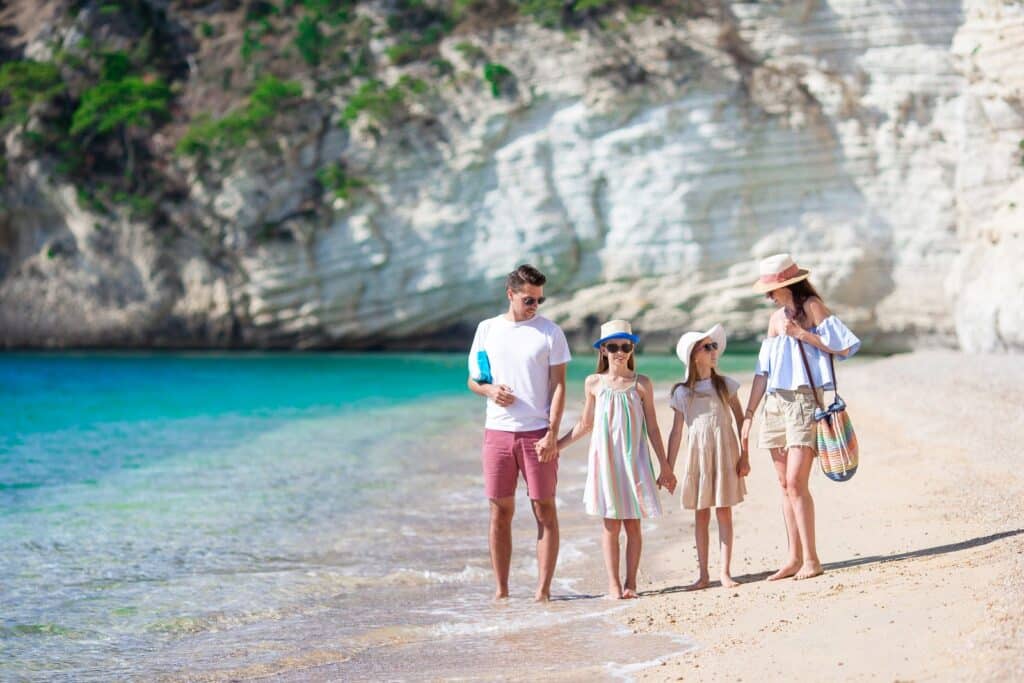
point(520, 355)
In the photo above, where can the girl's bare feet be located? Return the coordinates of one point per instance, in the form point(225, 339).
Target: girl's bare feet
point(809, 571)
point(788, 570)
point(702, 582)
point(728, 581)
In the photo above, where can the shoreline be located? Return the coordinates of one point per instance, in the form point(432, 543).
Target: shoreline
point(923, 549)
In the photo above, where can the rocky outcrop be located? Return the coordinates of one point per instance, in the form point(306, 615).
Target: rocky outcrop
point(987, 280)
point(644, 168)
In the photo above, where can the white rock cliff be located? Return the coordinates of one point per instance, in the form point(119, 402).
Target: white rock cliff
point(645, 170)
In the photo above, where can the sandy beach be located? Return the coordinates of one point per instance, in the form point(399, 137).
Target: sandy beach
point(923, 549)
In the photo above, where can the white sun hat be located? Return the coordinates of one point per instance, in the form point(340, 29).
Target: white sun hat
point(686, 343)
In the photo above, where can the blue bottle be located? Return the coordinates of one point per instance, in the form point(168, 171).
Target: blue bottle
point(484, 364)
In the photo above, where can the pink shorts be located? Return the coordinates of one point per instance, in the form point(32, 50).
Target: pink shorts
point(506, 454)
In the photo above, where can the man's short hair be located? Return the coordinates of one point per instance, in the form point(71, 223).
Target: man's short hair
point(524, 275)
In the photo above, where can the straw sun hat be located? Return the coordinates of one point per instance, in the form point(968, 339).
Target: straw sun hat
point(778, 271)
point(686, 343)
point(616, 329)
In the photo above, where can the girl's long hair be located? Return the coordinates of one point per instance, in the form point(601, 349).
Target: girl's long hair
point(717, 381)
point(602, 360)
point(802, 291)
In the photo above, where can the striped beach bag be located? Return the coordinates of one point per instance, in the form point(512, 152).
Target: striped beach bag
point(838, 453)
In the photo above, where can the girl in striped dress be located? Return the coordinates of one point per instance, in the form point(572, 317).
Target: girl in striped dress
point(621, 486)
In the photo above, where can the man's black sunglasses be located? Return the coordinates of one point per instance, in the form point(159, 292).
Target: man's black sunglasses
point(530, 301)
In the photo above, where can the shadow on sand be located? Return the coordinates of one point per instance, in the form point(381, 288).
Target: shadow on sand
point(871, 559)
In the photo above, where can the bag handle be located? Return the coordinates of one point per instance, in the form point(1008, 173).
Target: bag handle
point(810, 377)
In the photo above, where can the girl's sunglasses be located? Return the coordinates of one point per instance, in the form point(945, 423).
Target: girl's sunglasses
point(710, 346)
point(615, 348)
point(530, 301)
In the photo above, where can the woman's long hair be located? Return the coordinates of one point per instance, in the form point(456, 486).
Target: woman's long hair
point(717, 381)
point(602, 360)
point(802, 291)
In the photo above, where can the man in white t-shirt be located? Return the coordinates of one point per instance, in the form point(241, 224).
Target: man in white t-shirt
point(521, 372)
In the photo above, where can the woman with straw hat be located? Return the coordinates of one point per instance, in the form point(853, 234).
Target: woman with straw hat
point(801, 325)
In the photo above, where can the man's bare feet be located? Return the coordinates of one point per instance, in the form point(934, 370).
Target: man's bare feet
point(788, 570)
point(809, 571)
point(728, 581)
point(629, 594)
point(702, 582)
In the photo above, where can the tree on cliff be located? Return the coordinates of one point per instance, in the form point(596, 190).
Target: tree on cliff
point(126, 105)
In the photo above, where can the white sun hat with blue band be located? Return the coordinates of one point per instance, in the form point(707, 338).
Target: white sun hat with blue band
point(616, 329)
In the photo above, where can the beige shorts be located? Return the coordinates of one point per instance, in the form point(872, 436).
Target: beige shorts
point(787, 419)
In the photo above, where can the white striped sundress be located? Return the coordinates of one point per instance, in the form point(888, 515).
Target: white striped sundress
point(620, 476)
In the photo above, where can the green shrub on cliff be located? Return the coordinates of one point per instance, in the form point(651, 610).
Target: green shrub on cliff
point(24, 83)
point(418, 28)
point(574, 13)
point(380, 103)
point(309, 40)
point(335, 178)
point(126, 103)
point(234, 130)
point(499, 77)
point(119, 103)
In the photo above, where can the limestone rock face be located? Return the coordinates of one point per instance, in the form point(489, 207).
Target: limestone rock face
point(987, 281)
point(645, 170)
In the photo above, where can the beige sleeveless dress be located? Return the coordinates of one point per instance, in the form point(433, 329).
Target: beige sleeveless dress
point(712, 449)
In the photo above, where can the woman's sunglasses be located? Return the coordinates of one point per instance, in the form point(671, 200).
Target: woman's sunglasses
point(710, 346)
point(615, 348)
point(530, 301)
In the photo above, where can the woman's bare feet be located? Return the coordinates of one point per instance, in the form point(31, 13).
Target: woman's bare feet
point(629, 594)
point(500, 595)
point(614, 592)
point(788, 570)
point(702, 582)
point(542, 597)
point(728, 581)
point(809, 571)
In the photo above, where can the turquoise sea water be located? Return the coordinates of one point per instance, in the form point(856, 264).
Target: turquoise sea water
point(234, 516)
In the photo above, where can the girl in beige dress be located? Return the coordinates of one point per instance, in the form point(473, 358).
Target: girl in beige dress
point(714, 465)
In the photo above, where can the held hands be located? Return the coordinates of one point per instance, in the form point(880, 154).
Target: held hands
point(743, 466)
point(546, 447)
point(501, 394)
point(667, 479)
